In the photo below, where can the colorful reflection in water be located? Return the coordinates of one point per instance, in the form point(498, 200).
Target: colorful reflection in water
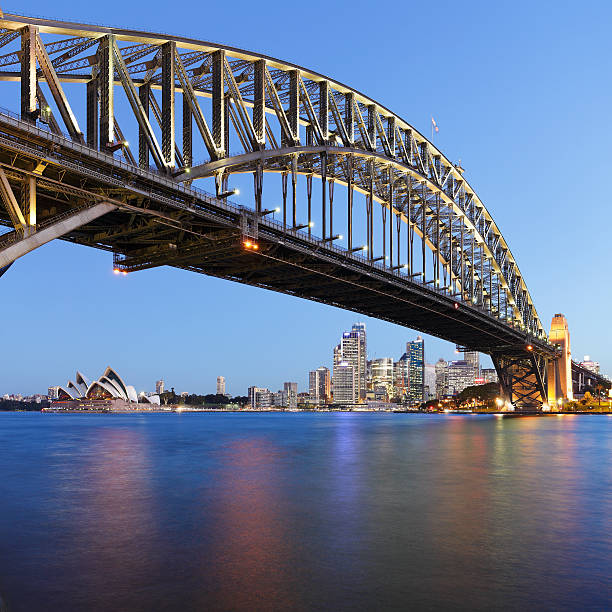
point(304, 512)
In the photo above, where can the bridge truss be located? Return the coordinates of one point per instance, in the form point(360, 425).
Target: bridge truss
point(373, 217)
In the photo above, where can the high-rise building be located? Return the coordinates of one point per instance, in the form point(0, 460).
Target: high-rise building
point(382, 374)
point(430, 381)
point(290, 394)
point(441, 373)
point(415, 350)
point(460, 376)
point(319, 386)
point(159, 386)
point(401, 376)
point(360, 328)
point(220, 385)
point(344, 383)
point(473, 358)
point(351, 351)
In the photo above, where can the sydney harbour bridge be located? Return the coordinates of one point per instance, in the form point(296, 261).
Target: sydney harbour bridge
point(350, 205)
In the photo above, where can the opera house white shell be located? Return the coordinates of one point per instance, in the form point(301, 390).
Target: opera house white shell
point(109, 386)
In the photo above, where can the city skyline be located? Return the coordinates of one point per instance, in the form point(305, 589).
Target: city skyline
point(474, 128)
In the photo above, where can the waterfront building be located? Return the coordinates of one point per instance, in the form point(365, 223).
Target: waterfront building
point(382, 374)
point(488, 375)
point(108, 392)
point(344, 383)
point(319, 386)
point(260, 398)
point(290, 395)
point(401, 377)
point(589, 364)
point(159, 386)
point(360, 328)
point(351, 350)
point(415, 350)
point(430, 381)
point(460, 376)
point(441, 373)
point(220, 385)
point(53, 392)
point(473, 358)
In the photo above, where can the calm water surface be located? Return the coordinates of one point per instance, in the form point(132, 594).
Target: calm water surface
point(304, 512)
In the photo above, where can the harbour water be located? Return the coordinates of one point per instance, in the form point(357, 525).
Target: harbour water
point(334, 511)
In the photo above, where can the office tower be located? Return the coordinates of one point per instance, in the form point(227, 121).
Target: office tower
point(441, 374)
point(382, 374)
point(290, 395)
point(344, 383)
point(401, 376)
point(415, 350)
point(320, 385)
point(360, 328)
point(430, 381)
point(159, 386)
point(488, 375)
point(460, 376)
point(473, 358)
point(220, 385)
point(351, 350)
point(259, 398)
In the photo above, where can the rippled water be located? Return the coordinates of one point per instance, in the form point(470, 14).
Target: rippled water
point(304, 512)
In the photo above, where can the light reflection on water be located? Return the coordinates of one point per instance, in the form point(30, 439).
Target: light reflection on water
point(303, 512)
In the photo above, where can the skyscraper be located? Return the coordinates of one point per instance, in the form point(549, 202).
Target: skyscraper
point(473, 358)
point(430, 381)
point(360, 328)
point(460, 376)
point(159, 386)
point(290, 395)
point(415, 350)
point(382, 374)
point(351, 351)
point(441, 369)
point(220, 385)
point(319, 387)
point(344, 383)
point(401, 376)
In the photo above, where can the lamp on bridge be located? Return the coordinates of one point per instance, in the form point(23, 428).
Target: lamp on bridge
point(227, 194)
point(271, 211)
point(303, 226)
point(359, 248)
point(332, 238)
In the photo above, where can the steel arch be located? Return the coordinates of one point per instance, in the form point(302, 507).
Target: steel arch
point(288, 119)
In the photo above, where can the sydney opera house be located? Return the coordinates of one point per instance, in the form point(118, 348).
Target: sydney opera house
point(108, 392)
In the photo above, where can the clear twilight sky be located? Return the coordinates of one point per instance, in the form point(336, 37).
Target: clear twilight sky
point(521, 92)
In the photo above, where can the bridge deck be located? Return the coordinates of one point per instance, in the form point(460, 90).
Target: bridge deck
point(160, 222)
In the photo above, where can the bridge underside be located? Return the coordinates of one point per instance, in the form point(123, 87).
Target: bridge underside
point(157, 223)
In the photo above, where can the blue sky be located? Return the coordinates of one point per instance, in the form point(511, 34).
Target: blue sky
point(521, 92)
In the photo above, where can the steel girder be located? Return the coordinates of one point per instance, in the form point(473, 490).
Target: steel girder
point(259, 96)
point(288, 120)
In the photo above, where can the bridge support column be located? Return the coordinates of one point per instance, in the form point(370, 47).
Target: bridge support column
point(560, 370)
point(523, 378)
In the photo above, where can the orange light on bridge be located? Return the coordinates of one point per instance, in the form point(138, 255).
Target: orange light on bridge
point(529, 347)
point(116, 271)
point(251, 245)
